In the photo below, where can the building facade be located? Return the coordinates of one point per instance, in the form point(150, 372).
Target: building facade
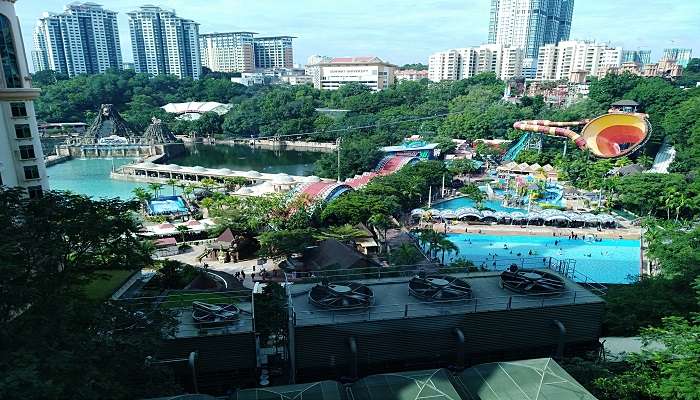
point(642, 57)
point(164, 43)
point(227, 52)
point(274, 52)
point(369, 71)
point(570, 59)
point(84, 39)
point(681, 56)
point(411, 75)
point(455, 64)
point(530, 24)
point(21, 156)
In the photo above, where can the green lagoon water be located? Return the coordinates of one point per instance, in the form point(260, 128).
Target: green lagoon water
point(91, 176)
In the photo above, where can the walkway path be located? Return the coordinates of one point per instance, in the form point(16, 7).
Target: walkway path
point(515, 230)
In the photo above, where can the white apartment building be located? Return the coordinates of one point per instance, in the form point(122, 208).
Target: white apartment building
point(274, 52)
point(164, 43)
point(560, 61)
point(227, 52)
point(369, 71)
point(84, 39)
point(21, 157)
point(410, 75)
point(455, 64)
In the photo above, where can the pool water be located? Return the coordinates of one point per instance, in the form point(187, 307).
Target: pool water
point(460, 202)
point(610, 261)
point(167, 205)
point(91, 177)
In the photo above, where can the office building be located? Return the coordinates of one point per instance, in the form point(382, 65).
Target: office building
point(227, 52)
point(84, 39)
point(681, 56)
point(164, 43)
point(637, 56)
point(529, 24)
point(455, 64)
point(21, 156)
point(572, 58)
point(274, 52)
point(369, 71)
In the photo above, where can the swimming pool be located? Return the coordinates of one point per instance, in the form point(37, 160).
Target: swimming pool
point(460, 202)
point(610, 260)
point(167, 205)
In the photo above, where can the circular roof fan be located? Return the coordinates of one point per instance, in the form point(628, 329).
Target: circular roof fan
point(439, 288)
point(531, 281)
point(341, 295)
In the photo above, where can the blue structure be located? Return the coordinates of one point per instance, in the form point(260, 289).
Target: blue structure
point(167, 205)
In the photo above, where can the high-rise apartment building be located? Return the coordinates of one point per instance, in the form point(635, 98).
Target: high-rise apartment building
point(84, 39)
point(642, 57)
point(529, 24)
point(464, 63)
point(560, 61)
point(21, 157)
point(681, 56)
point(164, 43)
point(274, 52)
point(227, 52)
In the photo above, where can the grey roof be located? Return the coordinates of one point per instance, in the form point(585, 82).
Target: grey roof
point(625, 103)
point(333, 252)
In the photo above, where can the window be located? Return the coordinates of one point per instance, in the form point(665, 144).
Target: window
point(18, 109)
point(35, 192)
point(31, 172)
point(26, 152)
point(10, 67)
point(22, 131)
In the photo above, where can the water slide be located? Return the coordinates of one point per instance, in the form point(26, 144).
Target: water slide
point(515, 149)
point(611, 135)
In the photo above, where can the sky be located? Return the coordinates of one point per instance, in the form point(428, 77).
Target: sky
point(402, 31)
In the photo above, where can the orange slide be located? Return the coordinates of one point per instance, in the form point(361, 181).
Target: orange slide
point(608, 136)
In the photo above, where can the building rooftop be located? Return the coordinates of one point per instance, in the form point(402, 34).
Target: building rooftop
point(356, 61)
point(392, 300)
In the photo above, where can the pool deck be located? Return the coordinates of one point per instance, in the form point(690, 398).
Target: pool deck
point(633, 233)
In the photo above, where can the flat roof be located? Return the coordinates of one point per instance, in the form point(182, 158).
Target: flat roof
point(392, 301)
point(187, 327)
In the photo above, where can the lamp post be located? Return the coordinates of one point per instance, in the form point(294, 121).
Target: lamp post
point(337, 145)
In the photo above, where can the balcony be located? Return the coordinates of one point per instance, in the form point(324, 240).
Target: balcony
point(19, 94)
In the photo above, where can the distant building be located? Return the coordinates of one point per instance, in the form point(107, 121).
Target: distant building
point(410, 75)
point(529, 24)
point(665, 68)
point(227, 52)
point(250, 79)
point(193, 110)
point(274, 52)
point(369, 71)
point(312, 67)
point(128, 65)
point(681, 56)
point(164, 43)
point(637, 56)
point(560, 61)
point(21, 157)
point(84, 39)
point(464, 63)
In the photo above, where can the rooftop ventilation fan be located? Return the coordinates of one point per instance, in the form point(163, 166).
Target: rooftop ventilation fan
point(341, 295)
point(531, 281)
point(205, 313)
point(439, 288)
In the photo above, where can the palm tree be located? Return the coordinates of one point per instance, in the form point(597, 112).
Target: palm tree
point(182, 229)
point(382, 223)
point(669, 200)
point(142, 196)
point(406, 254)
point(155, 188)
point(446, 244)
point(208, 184)
point(681, 202)
point(187, 190)
point(172, 183)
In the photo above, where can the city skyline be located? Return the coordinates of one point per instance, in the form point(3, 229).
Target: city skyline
point(402, 35)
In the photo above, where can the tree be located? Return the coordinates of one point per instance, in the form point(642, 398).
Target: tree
point(405, 255)
point(172, 183)
point(342, 233)
point(382, 223)
point(285, 243)
point(182, 230)
point(208, 184)
point(155, 188)
point(142, 196)
point(55, 338)
point(446, 245)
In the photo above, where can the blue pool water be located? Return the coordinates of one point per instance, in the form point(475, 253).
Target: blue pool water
point(466, 202)
point(610, 261)
point(91, 177)
point(167, 205)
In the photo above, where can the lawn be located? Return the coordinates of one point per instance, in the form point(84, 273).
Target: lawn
point(184, 300)
point(102, 286)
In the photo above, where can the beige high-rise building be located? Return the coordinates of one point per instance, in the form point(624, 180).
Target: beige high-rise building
point(21, 158)
point(227, 52)
point(455, 64)
point(560, 61)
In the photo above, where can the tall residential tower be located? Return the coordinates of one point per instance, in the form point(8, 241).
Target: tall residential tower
point(164, 43)
point(227, 52)
point(84, 39)
point(274, 52)
point(21, 157)
point(530, 24)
